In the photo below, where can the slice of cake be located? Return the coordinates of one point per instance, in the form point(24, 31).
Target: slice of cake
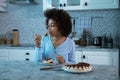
point(48, 61)
point(80, 67)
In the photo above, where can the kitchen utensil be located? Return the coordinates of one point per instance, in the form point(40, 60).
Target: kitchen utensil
point(51, 67)
point(48, 64)
point(97, 41)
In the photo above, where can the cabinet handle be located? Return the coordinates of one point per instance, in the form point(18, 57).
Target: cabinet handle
point(86, 4)
point(64, 4)
point(83, 56)
point(27, 59)
point(60, 5)
point(27, 53)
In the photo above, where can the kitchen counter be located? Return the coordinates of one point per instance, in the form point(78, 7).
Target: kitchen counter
point(78, 48)
point(12, 70)
point(96, 48)
point(22, 46)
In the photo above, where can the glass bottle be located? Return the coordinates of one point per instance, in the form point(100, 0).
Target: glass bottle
point(15, 37)
point(104, 41)
point(109, 41)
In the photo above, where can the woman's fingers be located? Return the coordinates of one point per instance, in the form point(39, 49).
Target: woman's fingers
point(60, 59)
point(37, 39)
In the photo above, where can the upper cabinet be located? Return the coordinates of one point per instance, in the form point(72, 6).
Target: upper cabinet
point(63, 4)
point(80, 4)
point(3, 5)
point(101, 4)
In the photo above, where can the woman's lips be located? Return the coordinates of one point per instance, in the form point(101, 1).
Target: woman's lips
point(50, 32)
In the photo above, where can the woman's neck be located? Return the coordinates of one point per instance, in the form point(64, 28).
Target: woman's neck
point(58, 40)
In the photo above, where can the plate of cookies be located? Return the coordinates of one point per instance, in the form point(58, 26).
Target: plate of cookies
point(80, 67)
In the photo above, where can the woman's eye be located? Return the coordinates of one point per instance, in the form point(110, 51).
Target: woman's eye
point(51, 25)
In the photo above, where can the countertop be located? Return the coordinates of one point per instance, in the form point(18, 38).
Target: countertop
point(13, 70)
point(78, 48)
point(21, 46)
point(97, 48)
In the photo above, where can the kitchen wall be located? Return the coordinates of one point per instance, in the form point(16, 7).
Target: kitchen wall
point(29, 20)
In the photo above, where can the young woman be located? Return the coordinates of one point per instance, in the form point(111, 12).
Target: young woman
point(56, 45)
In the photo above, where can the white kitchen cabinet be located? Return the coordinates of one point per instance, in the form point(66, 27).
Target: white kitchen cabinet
point(3, 5)
point(78, 56)
point(63, 4)
point(98, 57)
point(101, 4)
point(4, 54)
point(80, 4)
point(21, 55)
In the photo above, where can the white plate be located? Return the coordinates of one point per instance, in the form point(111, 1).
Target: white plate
point(73, 71)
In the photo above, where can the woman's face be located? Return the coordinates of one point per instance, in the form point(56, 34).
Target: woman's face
point(53, 28)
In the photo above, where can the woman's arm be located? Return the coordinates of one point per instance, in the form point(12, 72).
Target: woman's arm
point(38, 50)
point(38, 54)
point(71, 56)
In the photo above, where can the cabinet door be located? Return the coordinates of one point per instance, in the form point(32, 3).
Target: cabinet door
point(49, 4)
point(73, 4)
point(98, 57)
point(4, 54)
point(3, 6)
point(21, 55)
point(63, 4)
point(101, 4)
point(116, 58)
point(78, 55)
point(80, 4)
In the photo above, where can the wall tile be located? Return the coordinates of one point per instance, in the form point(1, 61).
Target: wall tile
point(29, 20)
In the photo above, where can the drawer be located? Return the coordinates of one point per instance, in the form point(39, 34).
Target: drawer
point(3, 52)
point(4, 58)
point(98, 53)
point(21, 53)
point(22, 59)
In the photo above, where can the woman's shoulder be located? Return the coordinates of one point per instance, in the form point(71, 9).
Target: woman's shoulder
point(69, 40)
point(69, 44)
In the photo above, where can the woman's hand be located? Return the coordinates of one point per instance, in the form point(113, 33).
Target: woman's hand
point(38, 40)
point(60, 59)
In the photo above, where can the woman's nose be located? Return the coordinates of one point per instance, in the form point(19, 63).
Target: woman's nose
point(49, 28)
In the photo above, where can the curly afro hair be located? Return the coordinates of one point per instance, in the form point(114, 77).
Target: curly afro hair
point(62, 18)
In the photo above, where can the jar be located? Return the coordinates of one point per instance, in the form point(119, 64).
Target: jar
point(83, 42)
point(76, 40)
point(15, 37)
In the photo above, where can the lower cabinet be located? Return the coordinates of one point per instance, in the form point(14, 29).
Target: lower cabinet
point(4, 54)
point(78, 56)
point(21, 55)
point(97, 57)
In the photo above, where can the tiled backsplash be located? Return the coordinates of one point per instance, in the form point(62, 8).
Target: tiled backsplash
point(30, 20)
